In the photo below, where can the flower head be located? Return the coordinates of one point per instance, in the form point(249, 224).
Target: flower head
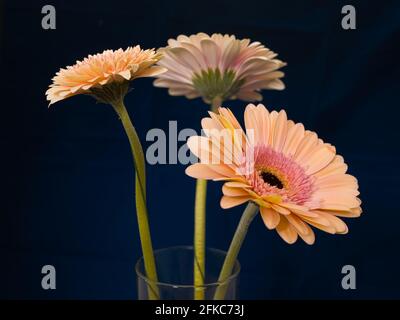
point(219, 66)
point(105, 74)
point(296, 179)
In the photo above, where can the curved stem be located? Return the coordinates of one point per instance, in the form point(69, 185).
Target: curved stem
point(200, 227)
point(247, 217)
point(140, 196)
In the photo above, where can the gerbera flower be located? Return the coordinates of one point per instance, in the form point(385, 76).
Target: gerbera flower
point(218, 67)
point(295, 178)
point(106, 77)
point(104, 73)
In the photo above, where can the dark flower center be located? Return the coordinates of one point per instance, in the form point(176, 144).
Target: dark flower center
point(271, 179)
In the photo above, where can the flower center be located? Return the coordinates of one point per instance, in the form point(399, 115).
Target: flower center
point(271, 179)
point(270, 172)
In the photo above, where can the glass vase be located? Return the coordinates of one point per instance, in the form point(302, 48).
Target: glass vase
point(175, 275)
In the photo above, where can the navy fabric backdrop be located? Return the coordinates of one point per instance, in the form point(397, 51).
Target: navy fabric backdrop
point(66, 172)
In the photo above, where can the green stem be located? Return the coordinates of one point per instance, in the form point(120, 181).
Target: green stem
point(140, 196)
point(200, 227)
point(247, 217)
point(216, 103)
point(199, 238)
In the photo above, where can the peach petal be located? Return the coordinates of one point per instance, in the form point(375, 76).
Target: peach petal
point(270, 217)
point(202, 171)
point(273, 198)
point(257, 123)
point(329, 229)
point(126, 74)
point(209, 125)
point(353, 213)
point(293, 139)
point(286, 231)
point(280, 209)
point(229, 202)
point(276, 84)
point(307, 145)
point(234, 192)
point(152, 72)
point(300, 210)
point(337, 166)
point(280, 131)
point(346, 199)
point(298, 224)
point(338, 224)
point(211, 52)
point(318, 160)
point(249, 95)
point(309, 237)
point(235, 184)
point(196, 53)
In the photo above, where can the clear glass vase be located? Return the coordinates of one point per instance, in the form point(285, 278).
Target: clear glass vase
point(175, 275)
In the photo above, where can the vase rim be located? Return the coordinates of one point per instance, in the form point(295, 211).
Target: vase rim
point(140, 274)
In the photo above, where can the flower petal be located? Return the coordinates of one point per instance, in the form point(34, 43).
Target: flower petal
point(286, 231)
point(229, 202)
point(202, 171)
point(210, 52)
point(270, 217)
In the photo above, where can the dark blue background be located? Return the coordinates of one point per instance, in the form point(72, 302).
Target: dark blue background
point(66, 172)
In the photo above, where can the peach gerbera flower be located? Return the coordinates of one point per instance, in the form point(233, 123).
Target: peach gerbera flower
point(106, 77)
point(104, 70)
point(218, 66)
point(296, 179)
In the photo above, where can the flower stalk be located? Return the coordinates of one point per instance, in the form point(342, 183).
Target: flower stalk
point(106, 77)
point(200, 227)
point(140, 195)
point(199, 237)
point(247, 217)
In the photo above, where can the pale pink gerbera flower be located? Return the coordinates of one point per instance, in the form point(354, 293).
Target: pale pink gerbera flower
point(219, 67)
point(105, 74)
point(295, 178)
